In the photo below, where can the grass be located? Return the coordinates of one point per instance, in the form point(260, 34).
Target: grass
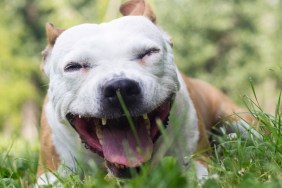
point(18, 164)
point(235, 163)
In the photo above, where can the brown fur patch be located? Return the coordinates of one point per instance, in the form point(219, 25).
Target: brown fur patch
point(49, 158)
point(138, 8)
point(52, 33)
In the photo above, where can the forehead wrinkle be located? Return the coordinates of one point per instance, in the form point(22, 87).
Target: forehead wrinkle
point(121, 27)
point(118, 37)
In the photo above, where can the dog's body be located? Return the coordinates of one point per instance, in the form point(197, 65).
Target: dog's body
point(89, 64)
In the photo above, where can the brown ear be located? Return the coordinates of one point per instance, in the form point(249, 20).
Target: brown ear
point(52, 33)
point(137, 8)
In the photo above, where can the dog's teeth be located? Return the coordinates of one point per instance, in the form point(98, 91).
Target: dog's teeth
point(79, 116)
point(99, 134)
point(145, 116)
point(104, 121)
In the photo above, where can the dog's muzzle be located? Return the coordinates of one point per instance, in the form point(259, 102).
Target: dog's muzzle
point(126, 141)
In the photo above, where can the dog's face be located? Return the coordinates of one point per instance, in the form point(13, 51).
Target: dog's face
point(96, 68)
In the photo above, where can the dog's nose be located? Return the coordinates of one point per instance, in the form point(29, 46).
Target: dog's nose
point(129, 89)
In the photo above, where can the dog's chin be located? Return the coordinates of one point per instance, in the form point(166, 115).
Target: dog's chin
point(125, 143)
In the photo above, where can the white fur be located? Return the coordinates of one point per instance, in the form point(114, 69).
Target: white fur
point(201, 171)
point(67, 142)
point(47, 178)
point(109, 49)
point(182, 130)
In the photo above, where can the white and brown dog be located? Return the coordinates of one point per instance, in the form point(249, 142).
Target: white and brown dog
point(90, 64)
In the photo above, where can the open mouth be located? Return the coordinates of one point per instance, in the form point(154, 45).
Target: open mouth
point(124, 144)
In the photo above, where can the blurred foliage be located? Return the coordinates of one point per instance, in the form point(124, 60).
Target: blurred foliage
point(22, 38)
point(223, 42)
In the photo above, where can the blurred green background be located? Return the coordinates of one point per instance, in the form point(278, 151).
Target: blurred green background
point(226, 43)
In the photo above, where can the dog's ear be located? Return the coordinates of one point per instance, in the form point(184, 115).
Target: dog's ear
point(141, 8)
point(137, 8)
point(52, 33)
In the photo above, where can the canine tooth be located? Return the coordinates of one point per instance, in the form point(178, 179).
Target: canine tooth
point(99, 134)
point(145, 116)
point(159, 122)
point(79, 116)
point(104, 121)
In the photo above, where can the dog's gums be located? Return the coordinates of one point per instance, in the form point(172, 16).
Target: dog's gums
point(123, 145)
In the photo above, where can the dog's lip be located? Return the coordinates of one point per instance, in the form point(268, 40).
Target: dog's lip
point(90, 138)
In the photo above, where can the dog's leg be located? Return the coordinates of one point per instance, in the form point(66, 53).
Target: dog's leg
point(201, 171)
point(242, 129)
point(203, 149)
point(193, 132)
point(48, 159)
point(217, 110)
point(47, 178)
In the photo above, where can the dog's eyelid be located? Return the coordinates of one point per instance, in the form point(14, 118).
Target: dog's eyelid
point(148, 52)
point(154, 50)
point(73, 66)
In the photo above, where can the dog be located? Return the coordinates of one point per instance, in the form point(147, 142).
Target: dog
point(115, 94)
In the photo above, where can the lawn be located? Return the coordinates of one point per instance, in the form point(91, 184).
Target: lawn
point(235, 163)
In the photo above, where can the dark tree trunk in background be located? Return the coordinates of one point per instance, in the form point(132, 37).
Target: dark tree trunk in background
point(30, 121)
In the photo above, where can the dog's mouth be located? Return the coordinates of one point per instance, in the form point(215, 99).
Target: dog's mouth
point(125, 142)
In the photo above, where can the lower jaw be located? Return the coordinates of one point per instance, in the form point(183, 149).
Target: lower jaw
point(122, 172)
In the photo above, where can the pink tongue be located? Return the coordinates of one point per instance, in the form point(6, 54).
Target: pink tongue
point(121, 146)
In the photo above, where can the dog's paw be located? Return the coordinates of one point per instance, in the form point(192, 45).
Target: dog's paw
point(201, 171)
point(243, 130)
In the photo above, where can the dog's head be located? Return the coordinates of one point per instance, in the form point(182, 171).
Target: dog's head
point(113, 83)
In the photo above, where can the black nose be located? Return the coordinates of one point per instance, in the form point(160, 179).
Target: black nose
point(129, 89)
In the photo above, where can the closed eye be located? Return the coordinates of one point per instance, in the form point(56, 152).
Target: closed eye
point(148, 52)
point(73, 66)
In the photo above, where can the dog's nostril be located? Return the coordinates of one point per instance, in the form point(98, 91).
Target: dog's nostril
point(132, 88)
point(127, 88)
point(110, 92)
